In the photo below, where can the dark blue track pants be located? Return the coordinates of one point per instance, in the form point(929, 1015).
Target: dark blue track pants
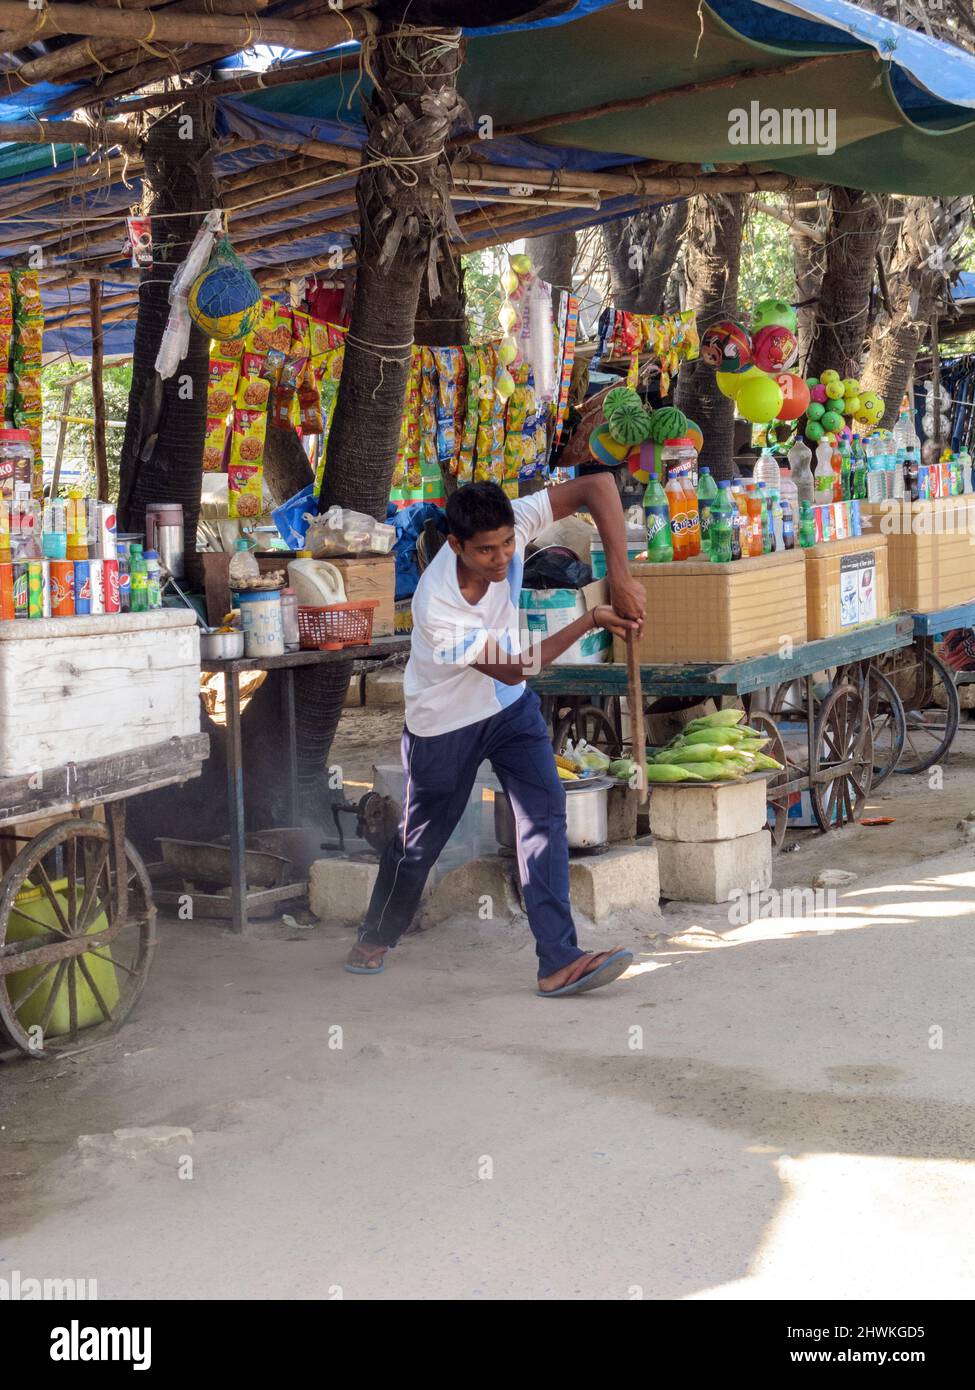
point(440, 773)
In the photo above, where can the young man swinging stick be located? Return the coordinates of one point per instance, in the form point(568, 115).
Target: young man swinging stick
point(466, 701)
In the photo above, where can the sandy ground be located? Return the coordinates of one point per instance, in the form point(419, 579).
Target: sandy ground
point(782, 1109)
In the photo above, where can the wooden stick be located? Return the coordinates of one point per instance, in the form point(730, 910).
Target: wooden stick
point(294, 70)
point(634, 699)
point(67, 133)
point(98, 389)
point(162, 26)
point(641, 103)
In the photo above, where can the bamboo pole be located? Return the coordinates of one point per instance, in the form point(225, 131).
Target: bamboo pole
point(641, 103)
point(162, 26)
point(67, 133)
point(293, 70)
point(98, 389)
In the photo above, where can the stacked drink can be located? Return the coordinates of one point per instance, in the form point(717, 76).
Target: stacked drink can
point(58, 560)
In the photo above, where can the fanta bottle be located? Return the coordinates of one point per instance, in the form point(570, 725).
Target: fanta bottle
point(692, 512)
point(753, 502)
point(677, 501)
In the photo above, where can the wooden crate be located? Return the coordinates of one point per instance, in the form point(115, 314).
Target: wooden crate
point(697, 611)
point(930, 554)
point(371, 576)
point(846, 585)
point(73, 689)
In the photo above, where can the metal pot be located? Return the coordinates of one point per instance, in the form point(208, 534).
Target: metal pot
point(221, 646)
point(586, 814)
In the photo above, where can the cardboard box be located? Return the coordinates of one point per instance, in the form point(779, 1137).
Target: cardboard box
point(931, 560)
point(846, 585)
point(697, 611)
point(371, 576)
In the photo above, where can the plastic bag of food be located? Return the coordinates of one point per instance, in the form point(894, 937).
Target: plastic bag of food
point(587, 757)
point(342, 532)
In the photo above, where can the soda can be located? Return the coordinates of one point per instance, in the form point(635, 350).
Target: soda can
point(856, 521)
point(924, 483)
point(62, 588)
point(46, 588)
point(106, 543)
point(97, 585)
point(82, 586)
point(110, 586)
point(6, 592)
point(35, 589)
point(840, 522)
point(20, 588)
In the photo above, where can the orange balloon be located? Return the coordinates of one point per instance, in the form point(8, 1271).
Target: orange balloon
point(795, 395)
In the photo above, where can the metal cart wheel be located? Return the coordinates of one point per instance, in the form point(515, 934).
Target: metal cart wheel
point(591, 723)
point(843, 744)
point(932, 708)
point(80, 940)
point(777, 798)
point(888, 725)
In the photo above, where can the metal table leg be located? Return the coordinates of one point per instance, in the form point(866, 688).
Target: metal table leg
point(235, 801)
point(291, 740)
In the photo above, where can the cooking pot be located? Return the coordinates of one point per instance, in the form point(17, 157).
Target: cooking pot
point(586, 814)
point(221, 645)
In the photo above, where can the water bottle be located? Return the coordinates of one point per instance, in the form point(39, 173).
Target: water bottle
point(846, 473)
point(876, 484)
point(859, 482)
point(964, 458)
point(800, 460)
point(707, 493)
point(911, 469)
point(900, 458)
point(721, 528)
point(766, 470)
point(660, 546)
point(823, 477)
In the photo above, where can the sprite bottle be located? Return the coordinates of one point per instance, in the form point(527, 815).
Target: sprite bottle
point(707, 492)
point(660, 546)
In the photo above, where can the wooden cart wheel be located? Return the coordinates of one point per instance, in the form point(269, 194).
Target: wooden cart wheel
point(72, 967)
point(592, 724)
point(888, 725)
point(842, 735)
point(778, 800)
point(932, 708)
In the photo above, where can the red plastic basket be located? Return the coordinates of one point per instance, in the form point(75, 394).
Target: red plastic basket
point(339, 625)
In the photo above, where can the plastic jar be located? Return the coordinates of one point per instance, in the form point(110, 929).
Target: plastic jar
point(260, 615)
point(289, 620)
point(16, 461)
point(679, 457)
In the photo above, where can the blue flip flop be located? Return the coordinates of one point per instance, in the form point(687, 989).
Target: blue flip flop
point(610, 970)
point(365, 969)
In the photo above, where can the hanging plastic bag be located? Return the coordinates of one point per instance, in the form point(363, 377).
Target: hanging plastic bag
point(176, 338)
point(342, 532)
point(533, 332)
point(290, 517)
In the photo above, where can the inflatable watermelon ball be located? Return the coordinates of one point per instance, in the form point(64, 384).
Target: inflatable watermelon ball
point(225, 301)
point(667, 423)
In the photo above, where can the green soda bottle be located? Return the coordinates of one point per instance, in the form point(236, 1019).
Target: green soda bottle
point(807, 525)
point(139, 579)
point(660, 545)
point(707, 492)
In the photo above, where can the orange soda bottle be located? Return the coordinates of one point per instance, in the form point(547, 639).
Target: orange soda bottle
point(753, 501)
point(693, 514)
point(677, 501)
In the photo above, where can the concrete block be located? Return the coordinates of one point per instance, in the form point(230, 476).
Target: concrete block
point(385, 689)
point(690, 813)
point(354, 694)
point(339, 889)
point(711, 871)
point(602, 885)
point(621, 813)
point(485, 888)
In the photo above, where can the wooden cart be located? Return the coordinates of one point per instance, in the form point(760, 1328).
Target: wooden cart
point(852, 717)
point(77, 920)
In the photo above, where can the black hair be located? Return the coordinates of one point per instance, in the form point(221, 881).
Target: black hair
point(478, 507)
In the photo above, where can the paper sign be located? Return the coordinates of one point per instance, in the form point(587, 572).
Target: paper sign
point(858, 588)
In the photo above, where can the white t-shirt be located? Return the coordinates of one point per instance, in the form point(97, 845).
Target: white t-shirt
point(441, 689)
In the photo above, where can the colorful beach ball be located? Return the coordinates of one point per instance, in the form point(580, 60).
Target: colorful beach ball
point(225, 302)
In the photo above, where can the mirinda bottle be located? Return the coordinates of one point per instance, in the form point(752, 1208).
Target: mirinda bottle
point(677, 501)
point(753, 501)
point(693, 514)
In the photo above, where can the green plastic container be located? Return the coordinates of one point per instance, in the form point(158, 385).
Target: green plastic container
point(33, 912)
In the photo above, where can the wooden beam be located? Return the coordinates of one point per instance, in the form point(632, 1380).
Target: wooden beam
point(67, 133)
point(98, 389)
point(642, 103)
point(163, 26)
point(293, 70)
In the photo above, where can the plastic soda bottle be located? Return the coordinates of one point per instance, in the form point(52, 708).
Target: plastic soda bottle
point(800, 458)
point(846, 474)
point(788, 526)
point(767, 544)
point(139, 579)
point(677, 502)
point(836, 464)
point(660, 546)
point(776, 505)
point(721, 526)
point(823, 476)
point(807, 525)
point(707, 493)
point(739, 525)
point(753, 501)
point(859, 481)
point(693, 517)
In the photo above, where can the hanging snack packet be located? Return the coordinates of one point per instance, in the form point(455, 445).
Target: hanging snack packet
point(214, 444)
point(222, 385)
point(468, 441)
point(245, 490)
point(310, 408)
point(282, 329)
point(27, 297)
point(300, 334)
point(254, 388)
point(247, 440)
point(446, 364)
point(229, 351)
point(428, 412)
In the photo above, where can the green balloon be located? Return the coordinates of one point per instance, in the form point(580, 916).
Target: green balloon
point(815, 411)
point(812, 381)
point(814, 431)
point(832, 420)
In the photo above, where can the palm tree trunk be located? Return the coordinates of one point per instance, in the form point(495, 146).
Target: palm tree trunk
point(712, 259)
point(443, 323)
point(162, 453)
point(642, 251)
point(855, 225)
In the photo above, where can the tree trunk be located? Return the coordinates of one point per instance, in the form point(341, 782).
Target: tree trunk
point(712, 257)
point(642, 252)
point(809, 259)
point(855, 225)
point(405, 216)
point(917, 279)
point(286, 466)
point(444, 322)
point(162, 453)
point(553, 257)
